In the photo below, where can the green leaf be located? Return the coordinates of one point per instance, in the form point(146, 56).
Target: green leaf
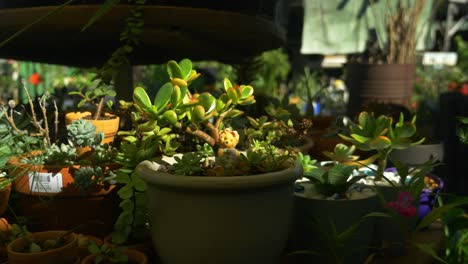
point(81, 103)
point(227, 84)
point(127, 205)
point(174, 70)
point(429, 248)
point(138, 183)
point(163, 96)
point(186, 68)
point(126, 192)
point(207, 101)
point(170, 116)
point(141, 98)
point(359, 138)
point(380, 142)
point(111, 93)
point(34, 248)
point(247, 91)
point(105, 7)
point(439, 212)
point(232, 93)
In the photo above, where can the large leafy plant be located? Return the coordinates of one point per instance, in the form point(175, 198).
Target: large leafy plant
point(161, 125)
point(382, 135)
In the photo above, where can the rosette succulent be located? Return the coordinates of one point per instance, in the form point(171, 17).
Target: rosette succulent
point(82, 133)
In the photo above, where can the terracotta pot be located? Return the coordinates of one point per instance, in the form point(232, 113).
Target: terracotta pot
point(386, 83)
point(64, 254)
point(109, 126)
point(5, 229)
point(134, 257)
point(53, 202)
point(238, 219)
point(4, 197)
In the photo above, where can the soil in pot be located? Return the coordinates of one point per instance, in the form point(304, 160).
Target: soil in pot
point(314, 216)
point(63, 252)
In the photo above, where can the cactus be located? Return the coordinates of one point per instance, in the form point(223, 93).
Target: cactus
point(382, 135)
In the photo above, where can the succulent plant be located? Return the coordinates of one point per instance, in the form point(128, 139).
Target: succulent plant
point(382, 135)
point(334, 180)
point(82, 133)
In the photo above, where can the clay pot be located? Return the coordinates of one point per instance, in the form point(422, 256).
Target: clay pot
point(134, 257)
point(64, 254)
point(4, 197)
point(57, 204)
point(109, 126)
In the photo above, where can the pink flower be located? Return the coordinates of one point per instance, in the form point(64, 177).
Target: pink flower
point(403, 205)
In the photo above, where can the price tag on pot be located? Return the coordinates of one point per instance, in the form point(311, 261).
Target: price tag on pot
point(45, 182)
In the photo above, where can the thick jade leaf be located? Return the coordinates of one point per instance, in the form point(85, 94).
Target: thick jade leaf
point(232, 93)
point(207, 101)
point(163, 96)
point(382, 125)
point(247, 91)
point(141, 98)
point(198, 114)
point(186, 68)
point(170, 116)
point(227, 84)
point(359, 138)
point(405, 131)
point(380, 142)
point(176, 96)
point(174, 70)
point(248, 100)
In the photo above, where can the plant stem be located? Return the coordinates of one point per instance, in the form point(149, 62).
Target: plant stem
point(382, 164)
point(99, 109)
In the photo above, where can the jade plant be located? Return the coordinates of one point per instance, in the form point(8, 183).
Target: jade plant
point(344, 154)
point(162, 125)
point(382, 135)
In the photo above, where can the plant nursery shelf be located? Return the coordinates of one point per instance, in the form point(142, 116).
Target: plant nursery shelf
point(169, 33)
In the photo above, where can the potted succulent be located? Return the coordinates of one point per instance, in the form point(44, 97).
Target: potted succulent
point(54, 177)
point(382, 135)
point(46, 247)
point(96, 96)
point(236, 199)
point(331, 187)
point(107, 254)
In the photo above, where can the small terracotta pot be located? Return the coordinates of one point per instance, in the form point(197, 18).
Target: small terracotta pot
point(109, 126)
point(134, 257)
point(64, 254)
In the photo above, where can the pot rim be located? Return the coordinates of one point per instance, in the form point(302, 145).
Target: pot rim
point(151, 176)
point(73, 239)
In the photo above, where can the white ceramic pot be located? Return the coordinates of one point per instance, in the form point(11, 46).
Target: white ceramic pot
point(419, 154)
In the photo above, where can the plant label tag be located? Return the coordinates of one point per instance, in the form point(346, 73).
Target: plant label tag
point(45, 182)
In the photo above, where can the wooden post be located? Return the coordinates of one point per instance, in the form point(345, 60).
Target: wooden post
point(124, 83)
